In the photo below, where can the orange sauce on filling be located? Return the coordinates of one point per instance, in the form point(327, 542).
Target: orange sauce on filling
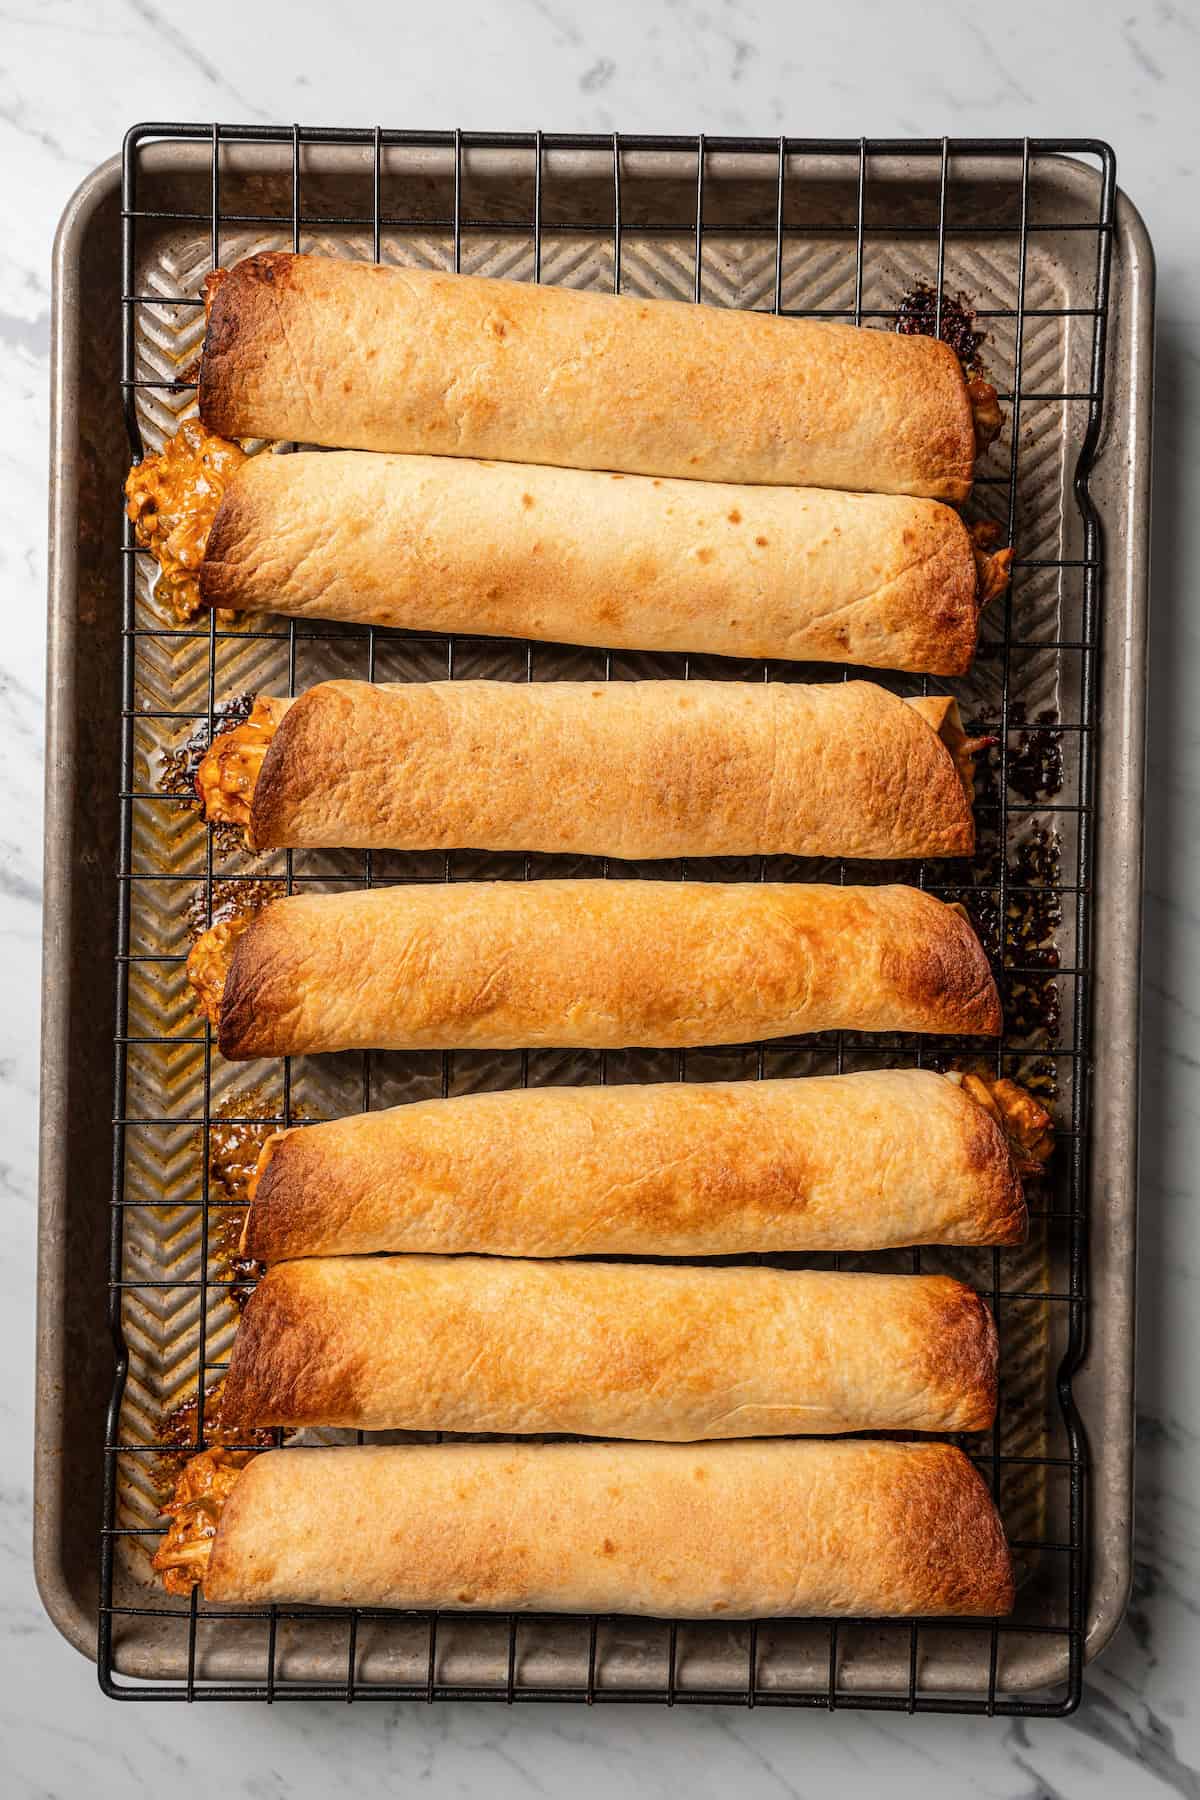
point(229, 768)
point(172, 499)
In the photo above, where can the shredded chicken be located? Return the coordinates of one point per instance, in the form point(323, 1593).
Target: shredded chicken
point(264, 1157)
point(228, 772)
point(211, 283)
point(985, 406)
point(993, 567)
point(992, 573)
point(194, 1510)
point(1025, 1122)
point(208, 963)
point(172, 499)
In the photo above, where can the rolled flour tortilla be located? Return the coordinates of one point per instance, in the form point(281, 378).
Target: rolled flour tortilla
point(328, 351)
point(637, 769)
point(594, 964)
point(513, 550)
point(727, 1530)
point(632, 1350)
point(834, 1162)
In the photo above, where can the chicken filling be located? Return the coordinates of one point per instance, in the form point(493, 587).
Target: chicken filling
point(229, 769)
point(172, 499)
point(194, 1510)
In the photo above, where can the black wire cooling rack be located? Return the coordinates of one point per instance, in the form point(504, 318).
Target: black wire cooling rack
point(998, 887)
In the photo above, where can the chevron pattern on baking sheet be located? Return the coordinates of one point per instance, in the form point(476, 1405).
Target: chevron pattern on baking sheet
point(164, 1166)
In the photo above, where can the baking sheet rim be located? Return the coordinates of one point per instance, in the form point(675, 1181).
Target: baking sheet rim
point(1117, 907)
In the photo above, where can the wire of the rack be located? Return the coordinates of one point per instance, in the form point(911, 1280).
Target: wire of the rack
point(993, 1458)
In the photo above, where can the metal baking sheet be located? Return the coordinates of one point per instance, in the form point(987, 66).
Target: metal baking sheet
point(496, 193)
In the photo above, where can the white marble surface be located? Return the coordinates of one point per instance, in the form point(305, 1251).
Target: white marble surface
point(73, 75)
